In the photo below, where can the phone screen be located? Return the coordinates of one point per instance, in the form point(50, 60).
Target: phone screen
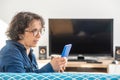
point(66, 50)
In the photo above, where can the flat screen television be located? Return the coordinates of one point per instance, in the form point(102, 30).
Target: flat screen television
point(89, 37)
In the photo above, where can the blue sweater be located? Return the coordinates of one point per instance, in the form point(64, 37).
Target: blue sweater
point(13, 58)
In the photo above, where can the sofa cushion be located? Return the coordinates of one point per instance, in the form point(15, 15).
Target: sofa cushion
point(59, 76)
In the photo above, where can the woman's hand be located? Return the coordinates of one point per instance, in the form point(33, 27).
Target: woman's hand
point(58, 64)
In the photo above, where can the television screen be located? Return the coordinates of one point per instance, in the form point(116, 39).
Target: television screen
point(89, 37)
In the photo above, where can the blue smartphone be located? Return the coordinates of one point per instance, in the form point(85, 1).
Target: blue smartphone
point(66, 50)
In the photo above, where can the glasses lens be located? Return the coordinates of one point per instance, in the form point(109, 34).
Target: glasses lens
point(35, 33)
point(42, 31)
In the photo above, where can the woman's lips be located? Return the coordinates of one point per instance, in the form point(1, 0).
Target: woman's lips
point(35, 41)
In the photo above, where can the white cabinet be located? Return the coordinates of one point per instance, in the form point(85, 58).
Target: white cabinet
point(114, 68)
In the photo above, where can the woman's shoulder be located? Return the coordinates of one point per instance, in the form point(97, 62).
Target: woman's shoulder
point(10, 49)
point(13, 46)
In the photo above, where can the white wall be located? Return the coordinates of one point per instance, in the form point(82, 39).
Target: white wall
point(3, 37)
point(64, 9)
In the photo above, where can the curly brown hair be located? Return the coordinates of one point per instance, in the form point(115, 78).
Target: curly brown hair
point(20, 22)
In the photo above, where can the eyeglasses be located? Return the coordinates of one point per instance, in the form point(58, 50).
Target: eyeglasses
point(35, 31)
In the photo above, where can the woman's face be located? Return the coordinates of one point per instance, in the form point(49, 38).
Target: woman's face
point(32, 34)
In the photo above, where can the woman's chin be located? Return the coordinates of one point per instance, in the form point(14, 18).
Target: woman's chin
point(34, 45)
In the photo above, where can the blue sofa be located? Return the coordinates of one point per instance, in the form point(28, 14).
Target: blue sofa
point(59, 76)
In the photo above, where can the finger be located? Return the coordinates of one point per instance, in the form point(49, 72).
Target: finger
point(62, 69)
point(63, 60)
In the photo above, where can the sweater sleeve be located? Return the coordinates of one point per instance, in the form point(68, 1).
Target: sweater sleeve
point(46, 68)
point(12, 62)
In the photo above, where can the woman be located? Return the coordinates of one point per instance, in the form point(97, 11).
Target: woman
point(17, 56)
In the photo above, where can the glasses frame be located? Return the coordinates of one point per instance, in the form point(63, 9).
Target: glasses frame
point(36, 32)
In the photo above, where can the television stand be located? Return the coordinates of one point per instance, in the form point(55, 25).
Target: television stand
point(82, 66)
point(84, 60)
point(93, 61)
